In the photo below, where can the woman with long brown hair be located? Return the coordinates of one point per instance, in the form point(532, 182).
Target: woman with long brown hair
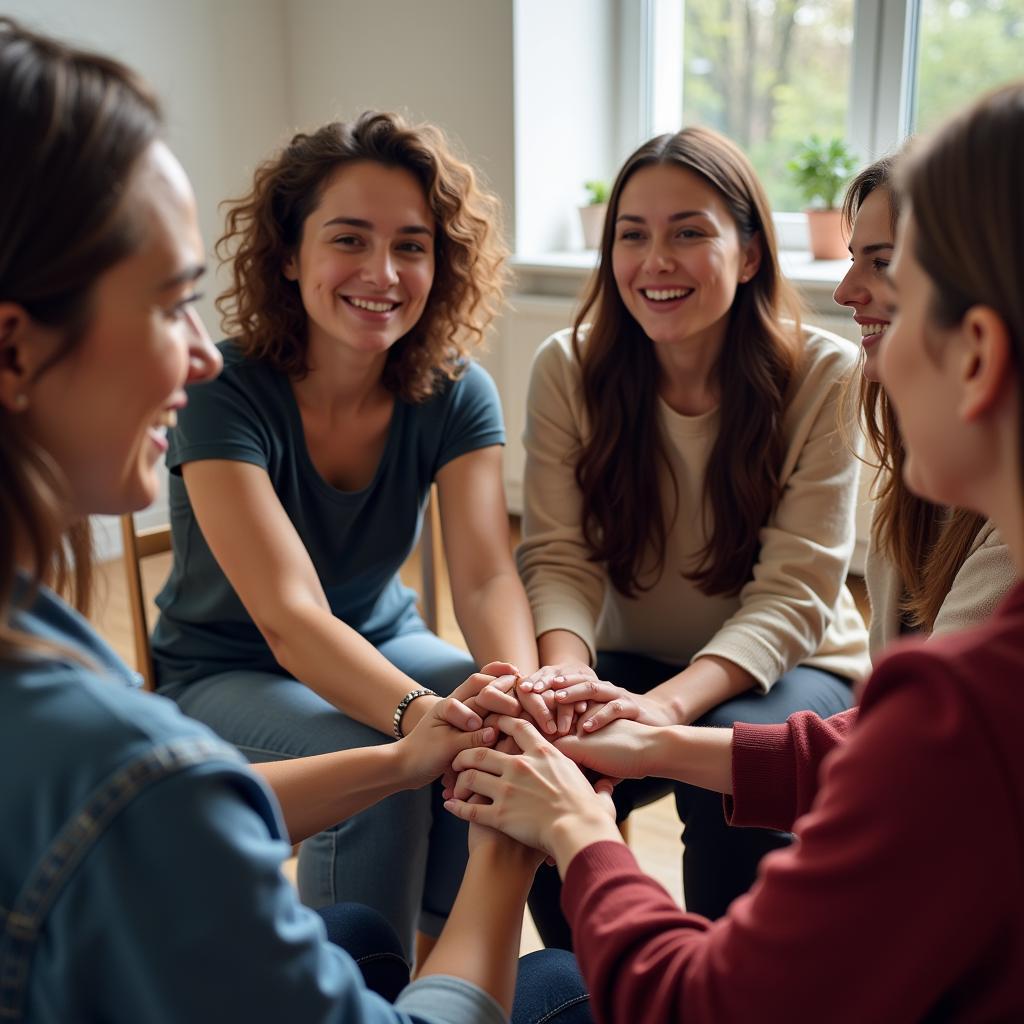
point(366, 263)
point(689, 502)
point(929, 569)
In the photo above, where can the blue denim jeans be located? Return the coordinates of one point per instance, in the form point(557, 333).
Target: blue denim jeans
point(405, 856)
point(719, 862)
point(549, 986)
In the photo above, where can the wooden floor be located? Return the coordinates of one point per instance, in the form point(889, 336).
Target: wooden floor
point(655, 830)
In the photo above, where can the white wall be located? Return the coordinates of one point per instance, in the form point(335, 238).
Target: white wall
point(445, 61)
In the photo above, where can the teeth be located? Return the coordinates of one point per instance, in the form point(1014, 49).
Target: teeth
point(663, 294)
point(867, 330)
point(373, 307)
point(168, 418)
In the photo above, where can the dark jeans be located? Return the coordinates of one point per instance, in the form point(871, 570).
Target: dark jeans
point(719, 862)
point(549, 987)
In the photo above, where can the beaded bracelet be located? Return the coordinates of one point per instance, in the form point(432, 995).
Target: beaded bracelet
point(403, 705)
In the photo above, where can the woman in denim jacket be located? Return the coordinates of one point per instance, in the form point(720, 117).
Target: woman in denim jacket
point(140, 868)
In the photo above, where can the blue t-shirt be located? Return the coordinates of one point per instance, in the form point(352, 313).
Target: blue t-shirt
point(163, 899)
point(357, 540)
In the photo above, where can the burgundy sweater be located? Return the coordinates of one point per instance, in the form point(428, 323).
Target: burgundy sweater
point(903, 899)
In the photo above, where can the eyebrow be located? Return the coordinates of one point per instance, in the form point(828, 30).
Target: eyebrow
point(356, 222)
point(682, 215)
point(189, 274)
point(867, 250)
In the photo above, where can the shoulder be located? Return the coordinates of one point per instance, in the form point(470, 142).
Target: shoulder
point(555, 364)
point(825, 355)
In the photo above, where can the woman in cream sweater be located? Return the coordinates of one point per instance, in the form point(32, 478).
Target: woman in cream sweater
point(689, 499)
point(929, 569)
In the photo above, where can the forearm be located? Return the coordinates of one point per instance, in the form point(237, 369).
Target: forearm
point(705, 684)
point(560, 647)
point(333, 660)
point(496, 622)
point(481, 939)
point(320, 791)
point(574, 833)
point(698, 756)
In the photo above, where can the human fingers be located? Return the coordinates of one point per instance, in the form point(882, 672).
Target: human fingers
point(494, 699)
point(539, 709)
point(500, 668)
point(587, 690)
point(601, 715)
point(458, 715)
point(524, 733)
point(473, 684)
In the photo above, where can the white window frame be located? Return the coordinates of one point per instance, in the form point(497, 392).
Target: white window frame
point(882, 65)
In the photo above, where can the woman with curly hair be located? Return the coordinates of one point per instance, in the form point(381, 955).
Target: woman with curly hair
point(929, 569)
point(366, 266)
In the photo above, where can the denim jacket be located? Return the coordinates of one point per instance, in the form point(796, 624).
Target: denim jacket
point(140, 863)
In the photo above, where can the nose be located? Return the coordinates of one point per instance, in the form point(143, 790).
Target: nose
point(851, 291)
point(658, 258)
point(204, 359)
point(379, 268)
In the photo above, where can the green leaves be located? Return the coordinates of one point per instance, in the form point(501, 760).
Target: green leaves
point(820, 169)
point(597, 192)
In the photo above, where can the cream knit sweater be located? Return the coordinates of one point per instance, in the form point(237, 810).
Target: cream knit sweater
point(985, 578)
point(794, 610)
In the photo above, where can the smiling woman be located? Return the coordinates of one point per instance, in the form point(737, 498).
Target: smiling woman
point(366, 264)
point(689, 505)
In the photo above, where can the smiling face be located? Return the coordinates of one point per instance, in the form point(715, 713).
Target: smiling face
point(677, 256)
point(365, 264)
point(865, 288)
point(102, 411)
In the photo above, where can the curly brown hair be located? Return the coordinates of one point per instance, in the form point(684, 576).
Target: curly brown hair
point(264, 310)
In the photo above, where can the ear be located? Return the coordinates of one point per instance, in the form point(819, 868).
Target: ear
point(750, 258)
point(290, 268)
point(18, 356)
point(985, 361)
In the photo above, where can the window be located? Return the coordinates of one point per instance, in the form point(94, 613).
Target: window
point(952, 36)
point(769, 72)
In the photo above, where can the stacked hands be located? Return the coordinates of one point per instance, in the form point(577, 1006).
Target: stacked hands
point(512, 750)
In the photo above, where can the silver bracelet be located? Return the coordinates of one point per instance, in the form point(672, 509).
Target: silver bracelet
point(403, 706)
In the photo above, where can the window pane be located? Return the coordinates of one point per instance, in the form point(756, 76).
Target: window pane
point(768, 73)
point(965, 47)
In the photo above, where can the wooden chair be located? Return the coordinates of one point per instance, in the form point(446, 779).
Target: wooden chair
point(141, 544)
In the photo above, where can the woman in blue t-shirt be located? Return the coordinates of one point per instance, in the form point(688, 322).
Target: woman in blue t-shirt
point(366, 264)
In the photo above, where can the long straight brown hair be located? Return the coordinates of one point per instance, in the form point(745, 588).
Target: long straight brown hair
point(77, 124)
point(619, 468)
point(927, 544)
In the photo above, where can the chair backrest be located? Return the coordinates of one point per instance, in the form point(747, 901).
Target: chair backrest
point(140, 544)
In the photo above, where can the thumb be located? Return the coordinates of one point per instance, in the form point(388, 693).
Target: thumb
point(480, 738)
point(456, 714)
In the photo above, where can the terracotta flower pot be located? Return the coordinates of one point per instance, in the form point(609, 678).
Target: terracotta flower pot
point(592, 220)
point(825, 231)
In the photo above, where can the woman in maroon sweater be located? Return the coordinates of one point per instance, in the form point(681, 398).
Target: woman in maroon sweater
point(904, 899)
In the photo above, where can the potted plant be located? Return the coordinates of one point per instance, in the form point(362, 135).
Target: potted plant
point(820, 169)
point(592, 213)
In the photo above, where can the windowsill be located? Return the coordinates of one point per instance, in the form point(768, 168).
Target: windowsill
point(798, 266)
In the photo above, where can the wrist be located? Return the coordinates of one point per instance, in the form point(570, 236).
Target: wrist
point(669, 699)
point(409, 713)
point(506, 858)
point(571, 833)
